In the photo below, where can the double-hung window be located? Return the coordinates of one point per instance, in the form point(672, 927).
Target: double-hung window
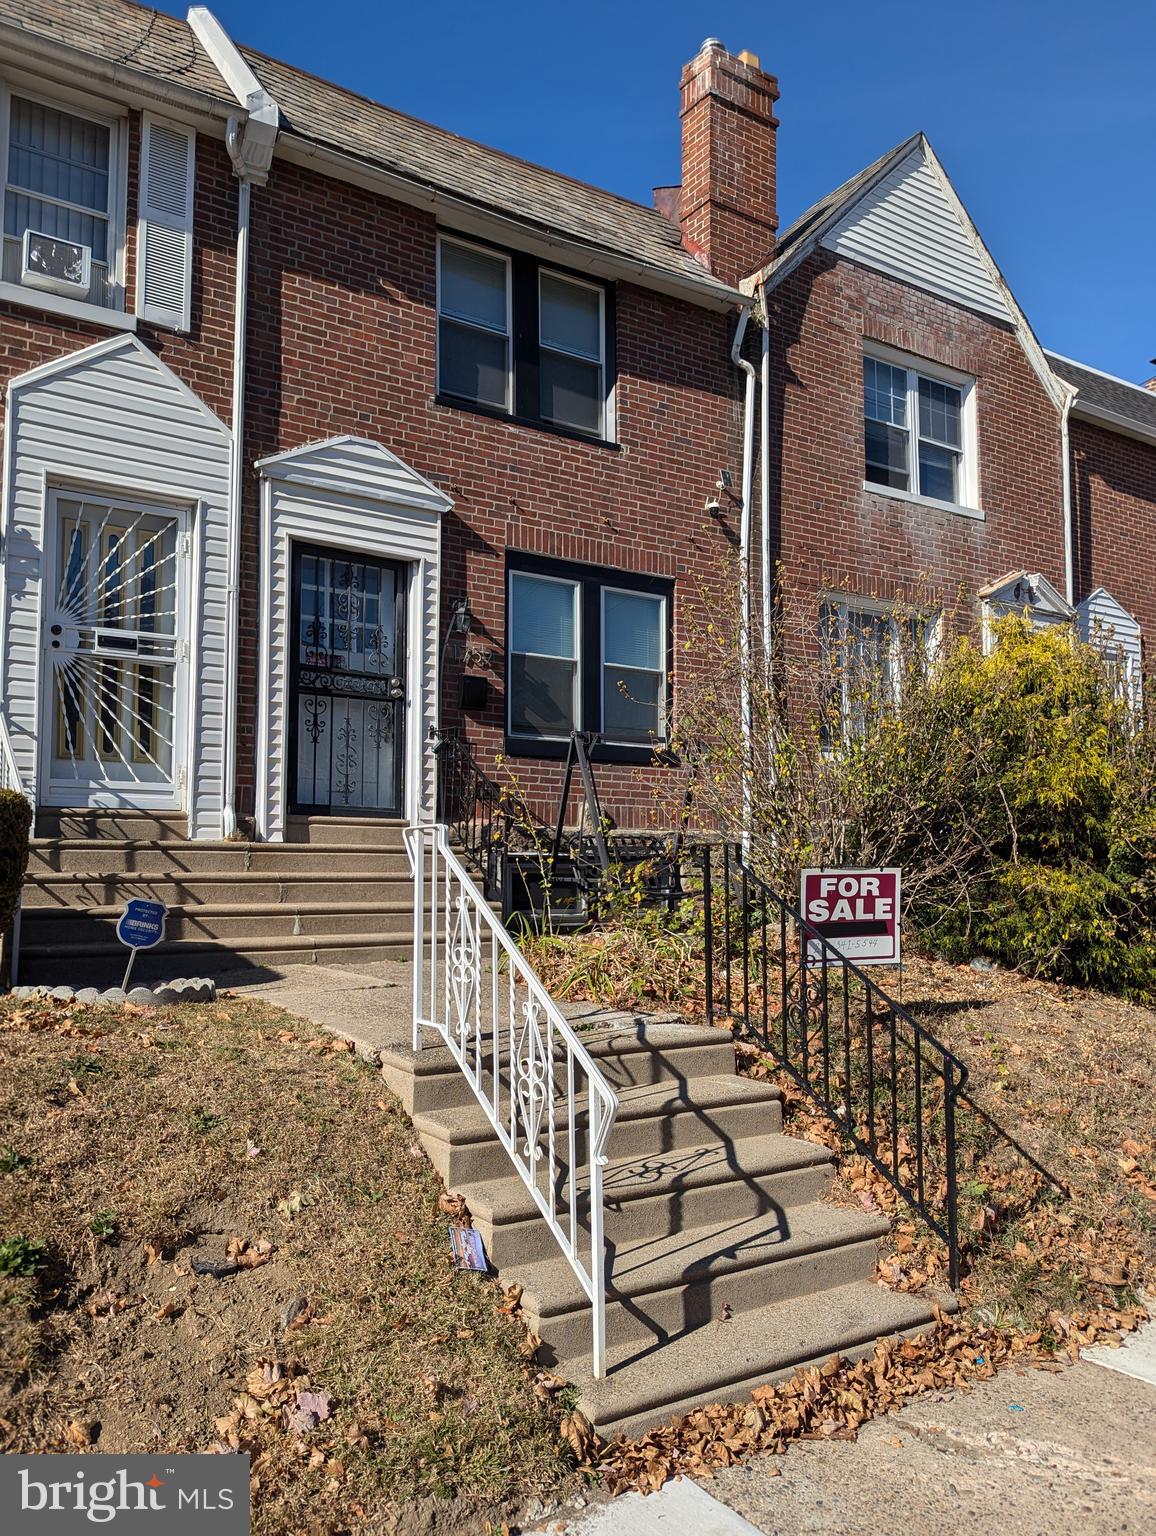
point(868, 651)
point(474, 324)
point(60, 181)
point(571, 349)
point(523, 340)
point(588, 650)
point(918, 431)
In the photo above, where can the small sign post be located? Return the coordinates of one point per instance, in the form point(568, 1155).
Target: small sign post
point(140, 926)
point(855, 910)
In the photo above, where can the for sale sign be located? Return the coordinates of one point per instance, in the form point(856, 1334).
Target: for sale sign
point(855, 910)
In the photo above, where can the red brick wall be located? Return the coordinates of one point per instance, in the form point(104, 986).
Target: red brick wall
point(203, 358)
point(727, 204)
point(831, 533)
point(1114, 522)
point(342, 339)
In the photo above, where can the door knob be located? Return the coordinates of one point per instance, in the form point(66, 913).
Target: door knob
point(395, 688)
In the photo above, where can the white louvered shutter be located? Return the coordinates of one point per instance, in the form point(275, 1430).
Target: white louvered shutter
point(165, 247)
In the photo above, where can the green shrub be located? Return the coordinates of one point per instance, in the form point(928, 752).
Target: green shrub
point(15, 829)
point(1013, 785)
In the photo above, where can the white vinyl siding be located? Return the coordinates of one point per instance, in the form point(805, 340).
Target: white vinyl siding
point(165, 246)
point(60, 174)
point(909, 227)
point(113, 420)
point(352, 494)
point(1104, 623)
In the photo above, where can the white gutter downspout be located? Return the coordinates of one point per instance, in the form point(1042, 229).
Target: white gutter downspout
point(1069, 535)
point(745, 564)
point(765, 481)
point(236, 493)
point(250, 148)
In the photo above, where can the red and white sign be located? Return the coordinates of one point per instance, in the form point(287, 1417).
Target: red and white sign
point(855, 910)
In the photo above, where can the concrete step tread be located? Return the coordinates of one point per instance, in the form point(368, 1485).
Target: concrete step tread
point(210, 909)
point(663, 1175)
point(230, 845)
point(699, 1254)
point(215, 877)
point(270, 943)
point(622, 1033)
point(469, 1124)
point(722, 1361)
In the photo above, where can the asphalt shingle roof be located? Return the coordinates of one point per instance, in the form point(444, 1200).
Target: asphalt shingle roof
point(318, 110)
point(138, 37)
point(122, 33)
point(1129, 401)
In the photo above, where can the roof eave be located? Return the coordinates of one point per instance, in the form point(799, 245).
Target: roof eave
point(1099, 416)
point(474, 217)
point(138, 88)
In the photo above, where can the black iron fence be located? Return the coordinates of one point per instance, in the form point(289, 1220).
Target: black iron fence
point(892, 1088)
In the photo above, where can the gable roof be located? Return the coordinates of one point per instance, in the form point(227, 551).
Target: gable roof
point(560, 212)
point(357, 466)
point(902, 216)
point(1108, 401)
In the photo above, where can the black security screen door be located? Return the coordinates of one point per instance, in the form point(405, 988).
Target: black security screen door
point(347, 688)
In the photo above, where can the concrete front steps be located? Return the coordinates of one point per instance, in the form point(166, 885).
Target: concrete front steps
point(728, 1267)
point(341, 894)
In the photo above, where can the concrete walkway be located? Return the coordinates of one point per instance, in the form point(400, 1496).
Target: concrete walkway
point(1027, 1454)
point(370, 1006)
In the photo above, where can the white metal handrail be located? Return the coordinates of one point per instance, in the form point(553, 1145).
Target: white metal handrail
point(10, 779)
point(542, 1092)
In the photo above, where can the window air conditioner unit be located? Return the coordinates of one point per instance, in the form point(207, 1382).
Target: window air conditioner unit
point(59, 266)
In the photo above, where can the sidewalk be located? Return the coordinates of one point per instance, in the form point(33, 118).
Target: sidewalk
point(1028, 1454)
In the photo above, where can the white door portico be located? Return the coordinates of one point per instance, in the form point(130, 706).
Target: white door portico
point(114, 515)
point(349, 592)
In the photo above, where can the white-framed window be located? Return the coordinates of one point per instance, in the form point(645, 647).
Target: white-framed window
point(633, 667)
point(919, 430)
point(545, 656)
point(61, 177)
point(588, 649)
point(572, 351)
point(474, 330)
point(867, 651)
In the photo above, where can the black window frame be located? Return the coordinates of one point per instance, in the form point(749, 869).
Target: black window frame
point(591, 580)
point(525, 347)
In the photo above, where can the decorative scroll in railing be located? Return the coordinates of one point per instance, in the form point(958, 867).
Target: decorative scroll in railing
point(10, 779)
point(891, 1087)
point(548, 1103)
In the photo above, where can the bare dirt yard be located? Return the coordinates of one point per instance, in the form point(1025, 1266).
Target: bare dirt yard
point(216, 1232)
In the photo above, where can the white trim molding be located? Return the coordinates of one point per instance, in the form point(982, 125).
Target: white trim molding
point(346, 493)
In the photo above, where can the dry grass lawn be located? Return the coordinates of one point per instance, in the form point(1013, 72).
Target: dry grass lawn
point(138, 1146)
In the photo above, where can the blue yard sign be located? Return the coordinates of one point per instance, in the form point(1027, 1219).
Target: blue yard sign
point(141, 926)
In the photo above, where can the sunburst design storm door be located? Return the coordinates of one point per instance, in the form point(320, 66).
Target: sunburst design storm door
point(115, 611)
point(347, 684)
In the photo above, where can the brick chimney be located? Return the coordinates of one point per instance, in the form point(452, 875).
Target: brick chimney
point(727, 204)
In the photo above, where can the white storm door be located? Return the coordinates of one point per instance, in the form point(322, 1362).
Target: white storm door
point(115, 645)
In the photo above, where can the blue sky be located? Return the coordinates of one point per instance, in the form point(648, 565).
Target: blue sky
point(1042, 111)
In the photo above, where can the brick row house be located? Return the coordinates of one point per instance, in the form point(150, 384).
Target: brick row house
point(326, 429)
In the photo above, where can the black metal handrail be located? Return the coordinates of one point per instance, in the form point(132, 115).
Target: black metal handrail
point(477, 810)
point(888, 1084)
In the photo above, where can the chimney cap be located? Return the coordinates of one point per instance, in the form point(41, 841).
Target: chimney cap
point(712, 42)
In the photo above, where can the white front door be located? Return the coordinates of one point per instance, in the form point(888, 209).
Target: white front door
point(115, 645)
